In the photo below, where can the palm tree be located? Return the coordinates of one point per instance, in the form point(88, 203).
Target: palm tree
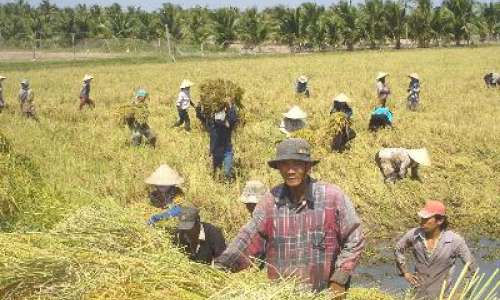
point(311, 27)
point(171, 15)
point(372, 14)
point(462, 17)
point(420, 22)
point(225, 24)
point(199, 24)
point(440, 23)
point(395, 17)
point(349, 23)
point(491, 16)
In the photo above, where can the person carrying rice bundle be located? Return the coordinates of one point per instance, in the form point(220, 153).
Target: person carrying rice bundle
point(136, 117)
point(293, 120)
point(27, 100)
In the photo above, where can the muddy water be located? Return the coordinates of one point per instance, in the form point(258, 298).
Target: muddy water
point(384, 275)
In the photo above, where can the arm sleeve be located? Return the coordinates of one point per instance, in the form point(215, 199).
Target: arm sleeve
point(404, 243)
point(466, 257)
point(232, 117)
point(248, 243)
point(416, 88)
point(352, 242)
point(172, 212)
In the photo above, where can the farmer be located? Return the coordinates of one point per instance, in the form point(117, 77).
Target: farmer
point(435, 251)
point(381, 117)
point(183, 103)
point(221, 127)
point(395, 162)
point(203, 242)
point(293, 121)
point(252, 193)
point(166, 191)
point(27, 100)
point(2, 100)
point(85, 92)
point(414, 91)
point(307, 228)
point(302, 87)
point(492, 79)
point(382, 90)
point(341, 104)
point(141, 128)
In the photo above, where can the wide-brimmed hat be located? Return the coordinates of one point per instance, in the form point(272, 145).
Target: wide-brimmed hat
point(296, 149)
point(342, 98)
point(165, 176)
point(87, 77)
point(186, 83)
point(295, 113)
point(302, 79)
point(252, 193)
point(25, 81)
point(414, 75)
point(381, 75)
point(2, 77)
point(431, 209)
point(421, 156)
point(188, 217)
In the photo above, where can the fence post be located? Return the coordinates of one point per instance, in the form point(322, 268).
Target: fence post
point(73, 45)
point(167, 34)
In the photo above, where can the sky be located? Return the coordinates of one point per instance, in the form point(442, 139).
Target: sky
point(151, 5)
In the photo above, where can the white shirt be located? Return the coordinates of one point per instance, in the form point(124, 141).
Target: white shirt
point(184, 100)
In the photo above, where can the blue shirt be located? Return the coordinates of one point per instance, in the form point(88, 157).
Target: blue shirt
point(174, 211)
point(383, 111)
point(220, 131)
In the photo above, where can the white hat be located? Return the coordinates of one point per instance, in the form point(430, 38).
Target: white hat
point(295, 113)
point(186, 83)
point(381, 75)
point(302, 79)
point(87, 77)
point(414, 75)
point(252, 193)
point(2, 77)
point(421, 156)
point(164, 176)
point(342, 98)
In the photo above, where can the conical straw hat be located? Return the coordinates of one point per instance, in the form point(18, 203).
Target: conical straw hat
point(421, 156)
point(186, 83)
point(87, 77)
point(414, 75)
point(2, 77)
point(381, 75)
point(342, 98)
point(295, 113)
point(164, 176)
point(303, 79)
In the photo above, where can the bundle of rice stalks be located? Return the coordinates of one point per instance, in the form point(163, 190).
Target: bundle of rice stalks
point(4, 144)
point(214, 94)
point(478, 287)
point(133, 113)
point(322, 137)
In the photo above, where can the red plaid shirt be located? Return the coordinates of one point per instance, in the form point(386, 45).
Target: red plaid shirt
point(318, 240)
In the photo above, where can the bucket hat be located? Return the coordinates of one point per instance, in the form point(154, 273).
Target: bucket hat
point(297, 149)
point(431, 209)
point(87, 77)
point(342, 98)
point(295, 113)
point(141, 93)
point(188, 217)
point(421, 156)
point(252, 193)
point(186, 83)
point(414, 75)
point(381, 75)
point(164, 176)
point(302, 79)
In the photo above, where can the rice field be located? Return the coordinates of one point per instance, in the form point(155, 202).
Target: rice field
point(73, 205)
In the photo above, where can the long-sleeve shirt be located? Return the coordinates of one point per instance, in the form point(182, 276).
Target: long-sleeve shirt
point(288, 126)
point(85, 92)
point(384, 111)
point(382, 90)
point(433, 269)
point(220, 130)
point(184, 100)
point(26, 99)
point(318, 240)
point(414, 91)
point(210, 243)
point(396, 160)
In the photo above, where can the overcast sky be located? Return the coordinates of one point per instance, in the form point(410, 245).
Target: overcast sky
point(151, 5)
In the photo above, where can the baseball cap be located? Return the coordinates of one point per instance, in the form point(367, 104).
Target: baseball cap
point(187, 218)
point(431, 209)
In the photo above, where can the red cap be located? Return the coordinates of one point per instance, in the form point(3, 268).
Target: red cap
point(431, 209)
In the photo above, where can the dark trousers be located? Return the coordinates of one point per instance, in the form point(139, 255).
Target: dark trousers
point(87, 101)
point(183, 118)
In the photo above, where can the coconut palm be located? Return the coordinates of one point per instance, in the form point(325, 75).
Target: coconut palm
point(420, 22)
point(373, 20)
point(225, 24)
point(252, 27)
point(171, 15)
point(396, 18)
point(198, 24)
point(349, 23)
point(462, 18)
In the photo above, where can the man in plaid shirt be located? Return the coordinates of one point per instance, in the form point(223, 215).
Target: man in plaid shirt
point(305, 227)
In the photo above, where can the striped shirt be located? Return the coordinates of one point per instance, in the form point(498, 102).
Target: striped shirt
point(318, 240)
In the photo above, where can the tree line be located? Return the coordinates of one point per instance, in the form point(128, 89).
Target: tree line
point(373, 22)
